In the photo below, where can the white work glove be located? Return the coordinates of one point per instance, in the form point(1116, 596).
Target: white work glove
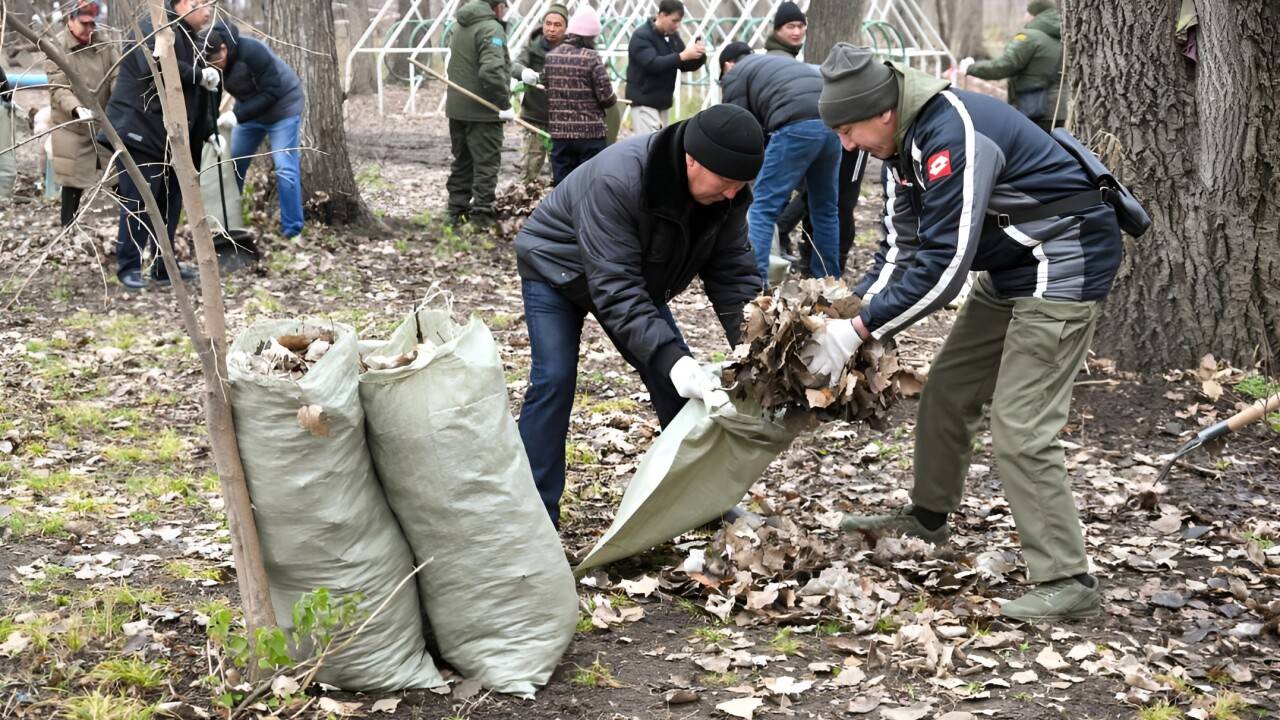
point(209, 78)
point(227, 120)
point(830, 349)
point(507, 114)
point(219, 144)
point(691, 380)
point(84, 113)
point(529, 77)
point(964, 65)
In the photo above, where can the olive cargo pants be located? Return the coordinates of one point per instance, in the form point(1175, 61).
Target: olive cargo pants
point(473, 177)
point(1022, 355)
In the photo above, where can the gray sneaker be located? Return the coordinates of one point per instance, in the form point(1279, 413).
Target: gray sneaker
point(898, 522)
point(1059, 599)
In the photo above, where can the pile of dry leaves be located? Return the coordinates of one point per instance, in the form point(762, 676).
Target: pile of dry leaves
point(516, 203)
point(768, 364)
point(291, 355)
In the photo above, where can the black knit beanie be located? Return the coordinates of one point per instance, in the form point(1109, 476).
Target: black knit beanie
point(727, 140)
point(732, 52)
point(787, 12)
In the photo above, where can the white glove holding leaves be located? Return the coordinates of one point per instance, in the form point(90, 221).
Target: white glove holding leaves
point(529, 77)
point(209, 78)
point(227, 120)
point(691, 380)
point(964, 65)
point(507, 114)
point(830, 349)
point(84, 113)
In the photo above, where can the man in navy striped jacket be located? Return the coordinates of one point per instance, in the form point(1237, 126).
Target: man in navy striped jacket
point(971, 184)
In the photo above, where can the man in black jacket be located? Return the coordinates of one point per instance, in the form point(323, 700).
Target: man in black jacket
point(654, 55)
point(134, 111)
point(783, 95)
point(269, 103)
point(619, 238)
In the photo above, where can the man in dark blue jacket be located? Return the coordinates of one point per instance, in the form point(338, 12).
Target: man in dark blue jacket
point(972, 184)
point(619, 238)
point(654, 55)
point(269, 103)
point(134, 111)
point(783, 95)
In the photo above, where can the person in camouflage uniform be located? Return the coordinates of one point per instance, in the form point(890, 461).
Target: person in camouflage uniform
point(478, 62)
point(1033, 64)
point(528, 70)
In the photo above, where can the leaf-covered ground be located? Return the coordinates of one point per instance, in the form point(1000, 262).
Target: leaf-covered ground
point(113, 545)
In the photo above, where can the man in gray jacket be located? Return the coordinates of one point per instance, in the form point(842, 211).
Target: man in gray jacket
point(783, 95)
point(619, 238)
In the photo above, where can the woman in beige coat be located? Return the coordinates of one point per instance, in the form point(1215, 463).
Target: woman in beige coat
point(79, 161)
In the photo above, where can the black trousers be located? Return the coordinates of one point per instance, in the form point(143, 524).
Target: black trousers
point(853, 164)
point(70, 203)
point(568, 154)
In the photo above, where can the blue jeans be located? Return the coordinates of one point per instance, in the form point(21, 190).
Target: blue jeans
point(555, 329)
point(284, 135)
point(807, 150)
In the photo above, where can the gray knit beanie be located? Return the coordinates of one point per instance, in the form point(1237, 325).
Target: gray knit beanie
point(856, 85)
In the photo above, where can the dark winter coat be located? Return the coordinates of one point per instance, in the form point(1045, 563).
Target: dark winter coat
point(652, 62)
point(578, 90)
point(478, 61)
point(777, 90)
point(533, 104)
point(963, 160)
point(266, 89)
point(134, 109)
point(621, 237)
point(1033, 63)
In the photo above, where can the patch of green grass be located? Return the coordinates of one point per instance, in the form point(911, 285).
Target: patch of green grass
point(831, 628)
point(1159, 710)
point(589, 405)
point(886, 624)
point(501, 321)
point(595, 675)
point(584, 624)
point(621, 599)
point(81, 416)
point(785, 643)
point(121, 330)
point(184, 570)
point(728, 678)
point(1261, 541)
point(710, 635)
point(131, 672)
point(48, 483)
point(1257, 387)
point(1228, 706)
point(579, 454)
point(689, 607)
point(99, 706)
point(370, 177)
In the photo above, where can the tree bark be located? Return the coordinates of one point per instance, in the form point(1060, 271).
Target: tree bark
point(308, 45)
point(960, 26)
point(830, 22)
point(1199, 146)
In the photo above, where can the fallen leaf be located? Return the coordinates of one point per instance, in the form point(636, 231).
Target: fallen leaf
point(864, 704)
point(16, 643)
point(1167, 524)
point(341, 709)
point(386, 705)
point(741, 708)
point(680, 697)
point(312, 419)
point(1050, 660)
point(284, 685)
point(786, 685)
point(1024, 677)
point(910, 712)
point(644, 587)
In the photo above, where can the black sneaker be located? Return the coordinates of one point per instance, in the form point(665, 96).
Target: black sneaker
point(132, 280)
point(160, 277)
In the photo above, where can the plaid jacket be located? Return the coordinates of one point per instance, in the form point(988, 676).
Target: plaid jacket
point(578, 91)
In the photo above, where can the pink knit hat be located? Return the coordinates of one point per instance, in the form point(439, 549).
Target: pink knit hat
point(585, 22)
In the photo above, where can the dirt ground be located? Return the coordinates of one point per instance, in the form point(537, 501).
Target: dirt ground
point(114, 548)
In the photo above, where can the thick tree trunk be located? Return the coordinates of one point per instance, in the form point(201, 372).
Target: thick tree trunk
point(830, 22)
point(1199, 145)
point(332, 196)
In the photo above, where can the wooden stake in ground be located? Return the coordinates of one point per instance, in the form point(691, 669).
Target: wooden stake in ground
point(210, 340)
point(526, 125)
